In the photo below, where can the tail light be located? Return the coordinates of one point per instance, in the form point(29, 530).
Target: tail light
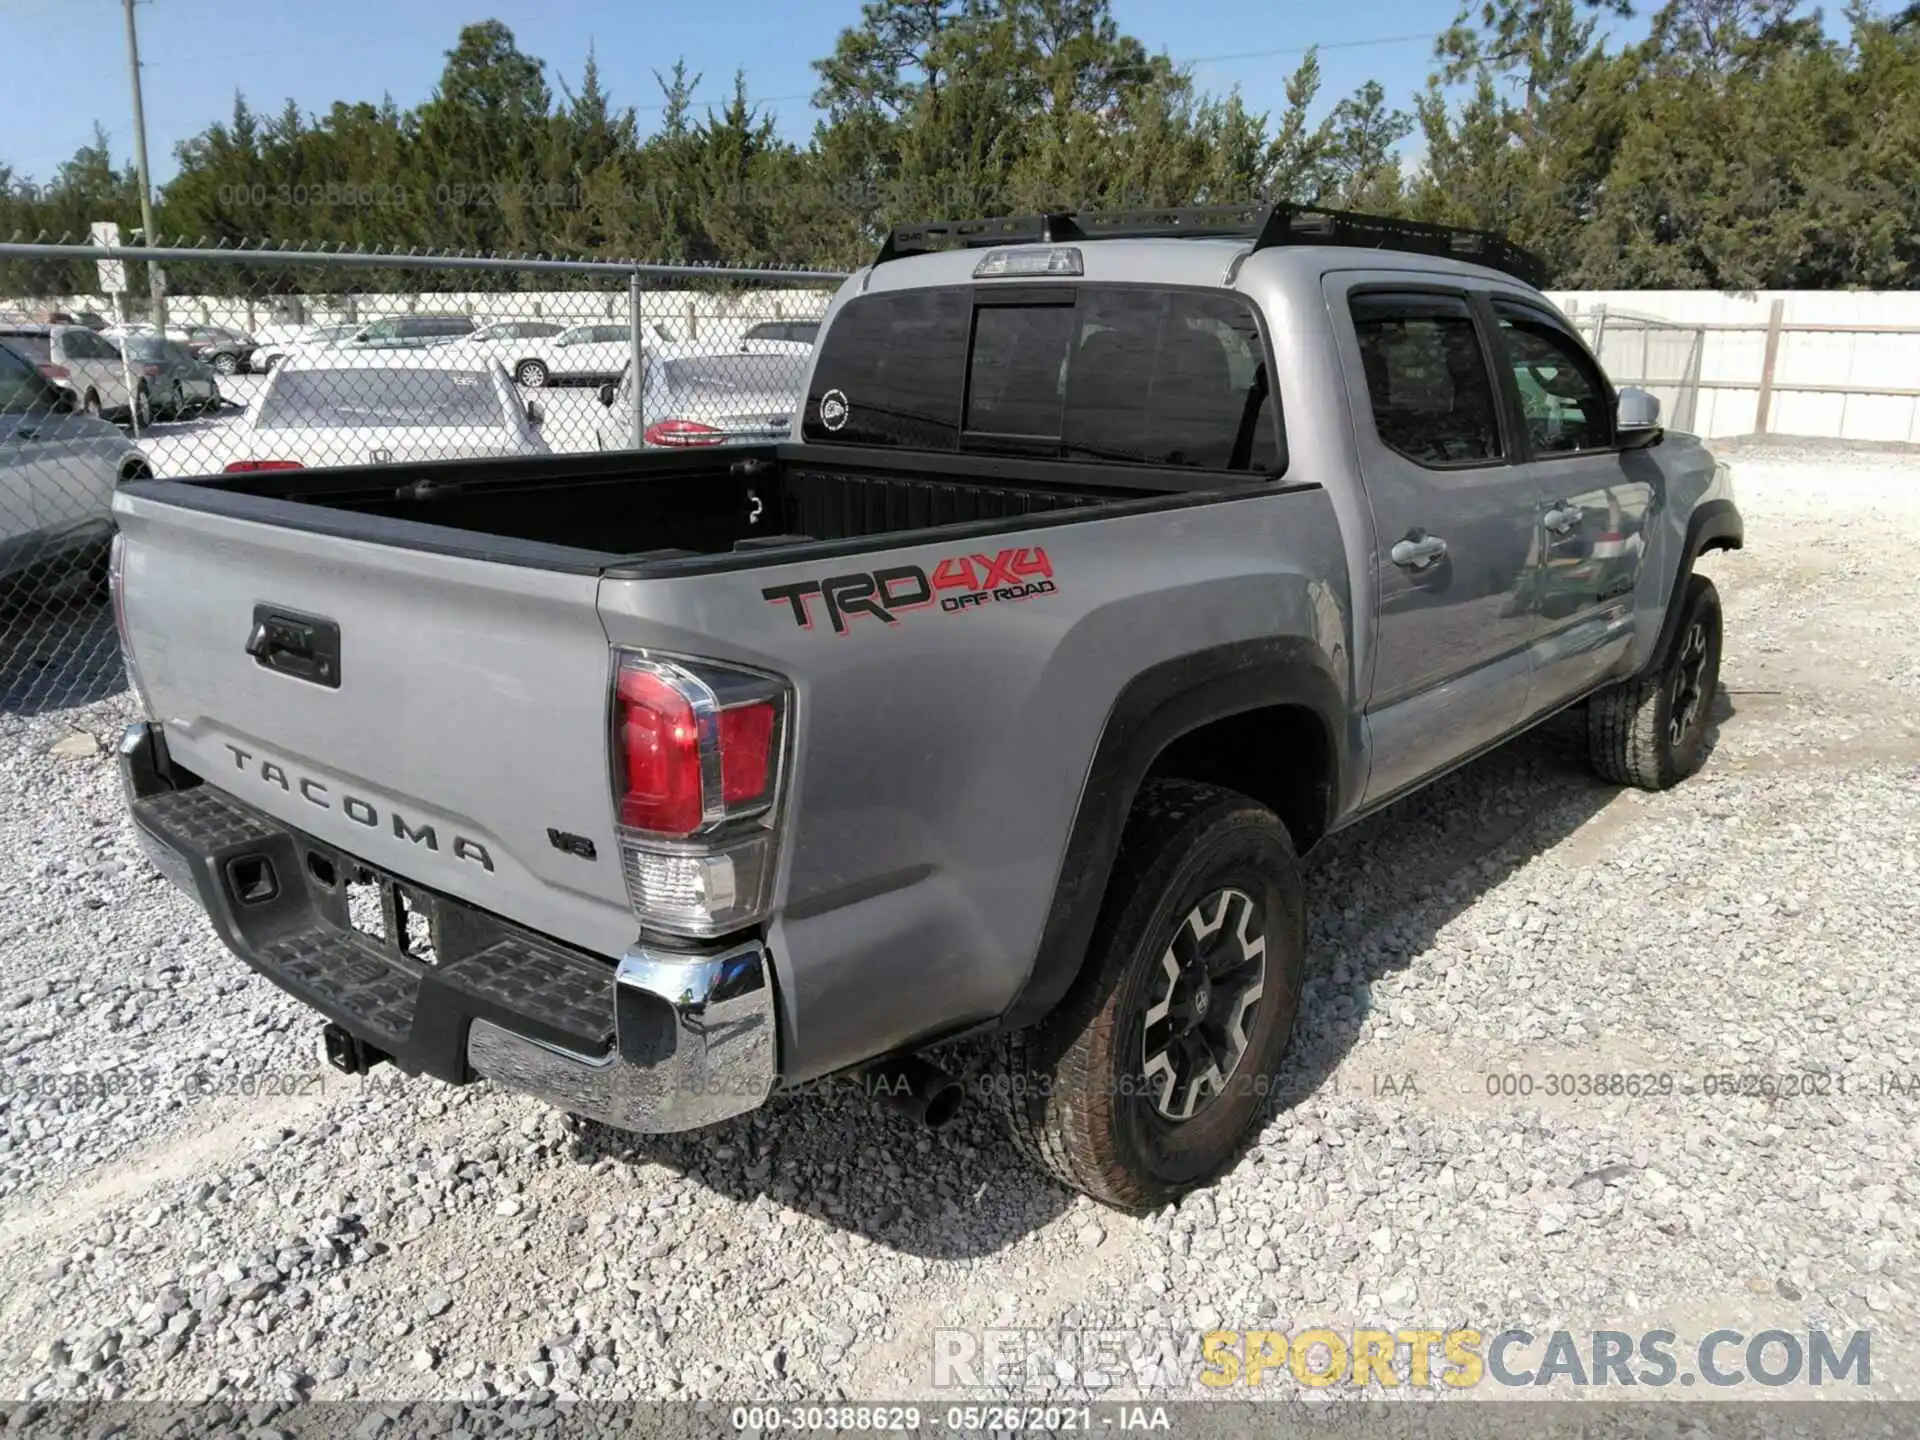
point(697, 769)
point(683, 432)
point(56, 372)
point(236, 467)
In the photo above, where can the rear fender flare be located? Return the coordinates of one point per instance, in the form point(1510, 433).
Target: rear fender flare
point(1156, 708)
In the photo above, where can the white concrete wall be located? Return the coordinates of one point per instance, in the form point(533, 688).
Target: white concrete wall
point(1736, 356)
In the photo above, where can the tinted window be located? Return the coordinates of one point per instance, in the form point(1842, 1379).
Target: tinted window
point(1018, 371)
point(610, 334)
point(1433, 399)
point(358, 396)
point(1170, 378)
point(1562, 395)
point(150, 347)
point(21, 385)
point(805, 331)
point(1127, 374)
point(898, 362)
point(758, 373)
point(37, 348)
point(438, 325)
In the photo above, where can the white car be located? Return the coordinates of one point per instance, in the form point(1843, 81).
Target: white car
point(314, 337)
point(347, 407)
point(58, 470)
point(579, 354)
point(85, 364)
point(694, 395)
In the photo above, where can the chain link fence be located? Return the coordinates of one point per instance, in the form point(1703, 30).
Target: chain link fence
point(277, 359)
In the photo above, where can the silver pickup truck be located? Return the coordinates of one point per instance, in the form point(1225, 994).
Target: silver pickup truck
point(1116, 561)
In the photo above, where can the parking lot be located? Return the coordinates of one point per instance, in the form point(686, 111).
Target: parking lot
point(192, 1205)
point(203, 445)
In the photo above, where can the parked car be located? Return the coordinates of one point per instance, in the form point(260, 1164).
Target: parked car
point(691, 396)
point(314, 337)
point(179, 382)
point(58, 470)
point(82, 362)
point(225, 349)
point(1113, 564)
point(539, 352)
point(410, 332)
point(91, 319)
point(343, 408)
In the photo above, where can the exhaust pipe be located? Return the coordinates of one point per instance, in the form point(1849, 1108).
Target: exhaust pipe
point(915, 1087)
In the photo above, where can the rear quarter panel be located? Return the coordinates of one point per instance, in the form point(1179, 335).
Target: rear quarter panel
point(938, 761)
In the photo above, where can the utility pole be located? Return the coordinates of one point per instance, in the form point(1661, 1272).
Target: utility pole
point(156, 287)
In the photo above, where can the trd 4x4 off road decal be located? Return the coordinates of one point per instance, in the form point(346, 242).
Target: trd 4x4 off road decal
point(963, 582)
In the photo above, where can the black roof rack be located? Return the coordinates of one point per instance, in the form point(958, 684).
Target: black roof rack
point(1265, 225)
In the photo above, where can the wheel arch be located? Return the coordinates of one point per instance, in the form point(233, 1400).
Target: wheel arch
point(1263, 717)
point(1713, 525)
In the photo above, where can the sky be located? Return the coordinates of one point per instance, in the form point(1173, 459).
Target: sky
point(196, 53)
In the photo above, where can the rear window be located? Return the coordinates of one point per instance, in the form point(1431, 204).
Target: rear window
point(362, 397)
point(767, 373)
point(1123, 374)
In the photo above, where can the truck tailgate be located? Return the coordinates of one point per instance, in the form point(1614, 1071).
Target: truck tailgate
point(465, 717)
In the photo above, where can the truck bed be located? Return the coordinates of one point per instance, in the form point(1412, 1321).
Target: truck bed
point(656, 507)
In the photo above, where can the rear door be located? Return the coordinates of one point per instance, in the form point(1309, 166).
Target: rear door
point(1455, 520)
point(1591, 500)
point(98, 360)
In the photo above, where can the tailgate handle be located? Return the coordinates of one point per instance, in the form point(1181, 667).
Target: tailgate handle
point(305, 647)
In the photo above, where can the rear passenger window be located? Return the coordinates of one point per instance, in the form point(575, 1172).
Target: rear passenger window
point(1124, 374)
point(1427, 378)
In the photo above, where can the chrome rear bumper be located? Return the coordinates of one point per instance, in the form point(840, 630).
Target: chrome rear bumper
point(695, 1043)
point(692, 1037)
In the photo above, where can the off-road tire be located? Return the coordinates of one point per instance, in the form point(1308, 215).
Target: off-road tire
point(1071, 1087)
point(1630, 726)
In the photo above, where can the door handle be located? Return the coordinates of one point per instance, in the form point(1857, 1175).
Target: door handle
point(1418, 552)
point(1563, 518)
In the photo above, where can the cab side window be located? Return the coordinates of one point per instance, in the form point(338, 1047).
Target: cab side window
point(1427, 378)
point(1562, 394)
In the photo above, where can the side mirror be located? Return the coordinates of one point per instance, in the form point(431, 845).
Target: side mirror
point(606, 396)
point(1637, 419)
point(535, 415)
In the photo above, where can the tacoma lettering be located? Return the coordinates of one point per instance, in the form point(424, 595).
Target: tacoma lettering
point(360, 811)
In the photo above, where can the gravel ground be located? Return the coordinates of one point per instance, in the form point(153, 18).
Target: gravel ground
point(192, 1207)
